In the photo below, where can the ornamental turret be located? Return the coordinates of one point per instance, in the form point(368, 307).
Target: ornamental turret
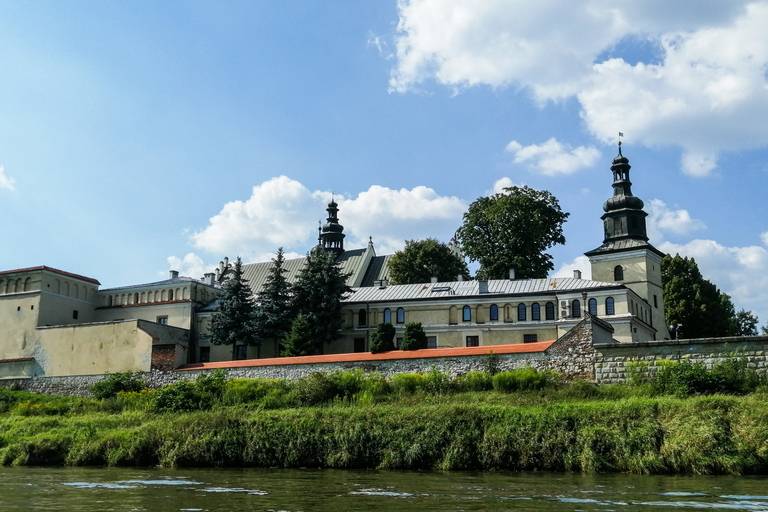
point(624, 217)
point(332, 233)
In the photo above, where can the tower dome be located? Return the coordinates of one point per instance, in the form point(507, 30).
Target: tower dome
point(332, 233)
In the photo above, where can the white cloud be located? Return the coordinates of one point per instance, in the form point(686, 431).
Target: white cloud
point(661, 219)
point(6, 182)
point(499, 186)
point(581, 263)
point(553, 157)
point(705, 91)
point(191, 265)
point(764, 238)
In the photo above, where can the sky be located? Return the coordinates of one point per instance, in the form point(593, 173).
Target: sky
point(139, 137)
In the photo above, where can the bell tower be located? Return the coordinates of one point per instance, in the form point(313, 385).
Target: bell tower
point(626, 257)
point(332, 233)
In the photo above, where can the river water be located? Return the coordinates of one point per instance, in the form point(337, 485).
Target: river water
point(110, 489)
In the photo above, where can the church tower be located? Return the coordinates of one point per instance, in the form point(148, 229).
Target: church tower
point(332, 233)
point(626, 257)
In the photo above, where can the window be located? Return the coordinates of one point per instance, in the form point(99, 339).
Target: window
point(535, 311)
point(655, 301)
point(242, 352)
point(576, 309)
point(618, 273)
point(32, 307)
point(529, 338)
point(387, 316)
point(205, 354)
point(609, 306)
point(170, 294)
point(549, 310)
point(473, 341)
point(494, 312)
point(400, 315)
point(362, 318)
point(431, 341)
point(359, 345)
point(162, 320)
point(521, 313)
point(593, 307)
point(75, 314)
point(466, 314)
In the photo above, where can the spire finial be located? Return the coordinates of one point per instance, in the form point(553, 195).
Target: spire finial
point(620, 136)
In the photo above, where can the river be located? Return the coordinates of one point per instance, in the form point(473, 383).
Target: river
point(161, 490)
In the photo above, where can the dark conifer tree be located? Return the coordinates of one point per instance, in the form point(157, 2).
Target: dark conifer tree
point(273, 316)
point(300, 340)
point(383, 338)
point(233, 324)
point(414, 338)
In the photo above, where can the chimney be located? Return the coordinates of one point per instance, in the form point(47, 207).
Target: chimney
point(577, 274)
point(432, 279)
point(174, 274)
point(483, 286)
point(460, 278)
point(209, 278)
point(226, 262)
point(511, 274)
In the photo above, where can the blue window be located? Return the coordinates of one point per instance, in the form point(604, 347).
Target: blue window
point(494, 313)
point(535, 311)
point(576, 309)
point(521, 313)
point(466, 314)
point(549, 310)
point(593, 307)
point(387, 316)
point(609, 306)
point(400, 315)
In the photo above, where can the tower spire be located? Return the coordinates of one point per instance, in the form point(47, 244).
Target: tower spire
point(332, 233)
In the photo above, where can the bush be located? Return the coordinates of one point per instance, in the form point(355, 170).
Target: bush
point(183, 396)
point(521, 379)
point(730, 376)
point(437, 382)
point(383, 338)
point(408, 382)
point(117, 382)
point(314, 389)
point(414, 338)
point(263, 393)
point(475, 381)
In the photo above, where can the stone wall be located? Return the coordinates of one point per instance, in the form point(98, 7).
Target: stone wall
point(611, 359)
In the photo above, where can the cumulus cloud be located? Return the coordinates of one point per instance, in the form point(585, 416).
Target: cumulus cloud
point(553, 157)
point(282, 212)
point(191, 265)
point(704, 90)
point(6, 182)
point(580, 263)
point(764, 237)
point(499, 186)
point(664, 220)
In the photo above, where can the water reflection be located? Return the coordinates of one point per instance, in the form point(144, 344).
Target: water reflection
point(87, 489)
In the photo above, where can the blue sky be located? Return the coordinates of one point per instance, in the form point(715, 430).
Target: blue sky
point(137, 137)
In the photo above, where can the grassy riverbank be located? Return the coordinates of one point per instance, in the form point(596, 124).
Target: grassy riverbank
point(557, 427)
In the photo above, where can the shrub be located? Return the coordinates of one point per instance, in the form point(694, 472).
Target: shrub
point(475, 381)
point(637, 373)
point(436, 381)
point(414, 338)
point(383, 338)
point(180, 396)
point(117, 382)
point(314, 389)
point(730, 376)
point(491, 363)
point(521, 379)
point(408, 382)
point(264, 393)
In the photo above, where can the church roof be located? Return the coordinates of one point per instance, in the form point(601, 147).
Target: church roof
point(627, 244)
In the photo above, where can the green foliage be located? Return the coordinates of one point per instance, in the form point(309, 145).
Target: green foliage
point(317, 294)
point(272, 315)
point(746, 323)
point(300, 341)
point(694, 305)
point(511, 230)
point(437, 382)
point(414, 338)
point(730, 376)
point(184, 396)
point(491, 365)
point(638, 372)
point(116, 383)
point(421, 260)
point(475, 381)
point(522, 379)
point(383, 338)
point(233, 323)
point(315, 389)
point(408, 383)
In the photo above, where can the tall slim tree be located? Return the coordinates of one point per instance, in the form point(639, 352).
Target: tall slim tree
point(233, 324)
point(510, 231)
point(273, 316)
point(422, 260)
point(299, 340)
point(414, 338)
point(317, 294)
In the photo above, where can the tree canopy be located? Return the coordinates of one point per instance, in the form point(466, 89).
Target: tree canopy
point(299, 341)
point(422, 260)
point(695, 306)
point(383, 338)
point(414, 338)
point(511, 230)
point(233, 322)
point(317, 295)
point(273, 315)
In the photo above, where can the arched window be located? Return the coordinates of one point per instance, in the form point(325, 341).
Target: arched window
point(618, 273)
point(535, 311)
point(593, 307)
point(494, 312)
point(400, 315)
point(362, 318)
point(170, 294)
point(609, 307)
point(387, 316)
point(466, 314)
point(576, 309)
point(521, 313)
point(549, 311)
point(135, 298)
point(109, 301)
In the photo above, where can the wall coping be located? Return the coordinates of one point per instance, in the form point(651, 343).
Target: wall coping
point(736, 340)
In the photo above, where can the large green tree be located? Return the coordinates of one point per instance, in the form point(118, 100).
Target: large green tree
point(422, 260)
point(512, 230)
point(414, 337)
point(317, 294)
point(233, 324)
point(273, 313)
point(746, 323)
point(299, 341)
point(694, 306)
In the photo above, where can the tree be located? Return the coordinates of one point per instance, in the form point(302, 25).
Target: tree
point(299, 341)
point(422, 260)
point(414, 338)
point(233, 322)
point(694, 305)
point(317, 295)
point(383, 338)
point(273, 316)
point(511, 230)
point(746, 323)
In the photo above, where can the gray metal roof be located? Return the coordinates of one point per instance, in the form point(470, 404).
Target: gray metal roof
point(502, 287)
point(626, 244)
point(176, 280)
point(378, 270)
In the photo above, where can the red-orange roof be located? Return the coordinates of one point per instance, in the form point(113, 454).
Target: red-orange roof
point(517, 348)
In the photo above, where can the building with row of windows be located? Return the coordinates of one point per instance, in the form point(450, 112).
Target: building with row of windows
point(59, 323)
